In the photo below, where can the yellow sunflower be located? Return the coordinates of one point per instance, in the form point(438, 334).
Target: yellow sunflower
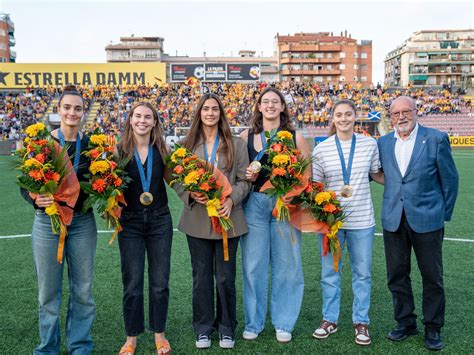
point(284, 135)
point(281, 159)
point(322, 197)
point(191, 178)
point(99, 139)
point(100, 166)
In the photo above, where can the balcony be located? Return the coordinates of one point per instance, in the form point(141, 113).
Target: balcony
point(310, 72)
point(12, 41)
point(310, 60)
point(310, 48)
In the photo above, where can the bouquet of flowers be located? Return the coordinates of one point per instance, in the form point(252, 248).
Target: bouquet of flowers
point(45, 169)
point(325, 208)
point(195, 174)
point(107, 180)
point(288, 172)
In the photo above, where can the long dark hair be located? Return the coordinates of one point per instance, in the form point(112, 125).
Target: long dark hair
point(127, 141)
point(332, 129)
point(285, 119)
point(196, 132)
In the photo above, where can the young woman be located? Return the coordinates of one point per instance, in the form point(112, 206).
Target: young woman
point(343, 162)
point(210, 138)
point(79, 247)
point(269, 242)
point(147, 227)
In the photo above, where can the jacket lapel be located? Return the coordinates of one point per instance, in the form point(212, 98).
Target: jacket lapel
point(391, 149)
point(418, 148)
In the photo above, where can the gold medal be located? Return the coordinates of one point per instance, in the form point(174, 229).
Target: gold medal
point(346, 191)
point(146, 199)
point(255, 166)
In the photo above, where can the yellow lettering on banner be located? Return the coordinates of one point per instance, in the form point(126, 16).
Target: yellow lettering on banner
point(19, 76)
point(461, 141)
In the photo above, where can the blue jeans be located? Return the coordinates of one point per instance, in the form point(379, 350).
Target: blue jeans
point(359, 246)
point(147, 232)
point(79, 254)
point(269, 242)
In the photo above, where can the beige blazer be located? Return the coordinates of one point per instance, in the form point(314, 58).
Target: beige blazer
point(194, 219)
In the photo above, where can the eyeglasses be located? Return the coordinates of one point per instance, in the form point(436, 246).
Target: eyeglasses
point(397, 114)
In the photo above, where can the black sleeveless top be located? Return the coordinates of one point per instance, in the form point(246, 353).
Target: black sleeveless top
point(263, 176)
point(157, 187)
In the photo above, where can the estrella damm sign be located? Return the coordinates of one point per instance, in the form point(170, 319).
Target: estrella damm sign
point(461, 141)
point(18, 76)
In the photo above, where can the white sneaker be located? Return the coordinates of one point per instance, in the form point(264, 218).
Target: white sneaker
point(226, 342)
point(283, 336)
point(249, 335)
point(203, 341)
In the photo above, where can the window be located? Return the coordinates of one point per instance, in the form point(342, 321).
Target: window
point(356, 78)
point(363, 78)
point(329, 67)
point(319, 55)
point(3, 46)
point(342, 66)
point(342, 78)
point(356, 66)
point(364, 67)
point(328, 55)
point(342, 55)
point(2, 32)
point(363, 55)
point(356, 55)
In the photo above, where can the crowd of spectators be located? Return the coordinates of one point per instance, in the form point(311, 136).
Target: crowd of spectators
point(309, 103)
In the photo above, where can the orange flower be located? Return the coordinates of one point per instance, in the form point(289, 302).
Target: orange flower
point(36, 175)
point(178, 169)
point(330, 208)
point(201, 172)
point(94, 153)
point(309, 188)
point(118, 182)
point(319, 186)
point(52, 175)
point(277, 147)
point(191, 158)
point(40, 142)
point(99, 185)
point(296, 152)
point(279, 172)
point(293, 159)
point(113, 165)
point(204, 186)
point(333, 195)
point(40, 158)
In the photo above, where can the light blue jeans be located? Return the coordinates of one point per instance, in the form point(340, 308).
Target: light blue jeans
point(269, 242)
point(79, 254)
point(359, 246)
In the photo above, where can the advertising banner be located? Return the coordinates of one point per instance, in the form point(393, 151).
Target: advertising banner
point(461, 141)
point(236, 71)
point(180, 72)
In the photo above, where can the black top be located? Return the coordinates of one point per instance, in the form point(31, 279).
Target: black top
point(84, 164)
point(263, 176)
point(157, 187)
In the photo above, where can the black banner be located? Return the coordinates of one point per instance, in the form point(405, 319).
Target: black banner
point(237, 71)
point(215, 72)
point(180, 72)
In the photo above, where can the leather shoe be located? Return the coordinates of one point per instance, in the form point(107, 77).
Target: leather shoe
point(401, 332)
point(433, 339)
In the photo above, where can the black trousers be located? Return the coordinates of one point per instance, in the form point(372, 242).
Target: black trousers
point(207, 259)
point(149, 232)
point(428, 252)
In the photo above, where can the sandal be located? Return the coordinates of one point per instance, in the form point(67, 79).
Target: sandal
point(163, 347)
point(128, 348)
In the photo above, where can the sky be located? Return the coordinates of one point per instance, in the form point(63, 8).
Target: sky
point(77, 31)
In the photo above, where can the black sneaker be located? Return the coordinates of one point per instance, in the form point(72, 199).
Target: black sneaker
point(226, 341)
point(203, 341)
point(433, 339)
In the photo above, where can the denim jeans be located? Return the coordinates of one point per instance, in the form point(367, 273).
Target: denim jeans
point(79, 254)
point(207, 259)
point(149, 232)
point(269, 243)
point(359, 246)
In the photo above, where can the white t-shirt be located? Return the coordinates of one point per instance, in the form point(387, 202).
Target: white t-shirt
point(327, 168)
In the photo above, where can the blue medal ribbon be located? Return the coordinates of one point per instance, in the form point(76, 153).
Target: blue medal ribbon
point(346, 172)
point(214, 151)
point(146, 182)
point(77, 155)
point(264, 144)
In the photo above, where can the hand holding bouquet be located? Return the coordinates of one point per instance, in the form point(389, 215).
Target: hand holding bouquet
point(196, 175)
point(46, 169)
point(325, 208)
point(107, 180)
point(288, 173)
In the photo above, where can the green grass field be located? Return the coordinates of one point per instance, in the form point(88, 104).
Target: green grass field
point(18, 304)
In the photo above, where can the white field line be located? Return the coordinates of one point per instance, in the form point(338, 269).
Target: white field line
point(175, 230)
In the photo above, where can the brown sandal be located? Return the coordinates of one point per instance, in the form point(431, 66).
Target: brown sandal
point(161, 345)
point(128, 348)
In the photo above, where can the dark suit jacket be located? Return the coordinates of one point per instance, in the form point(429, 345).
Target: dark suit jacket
point(429, 188)
point(194, 219)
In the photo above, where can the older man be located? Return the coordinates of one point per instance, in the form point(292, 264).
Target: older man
point(421, 186)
